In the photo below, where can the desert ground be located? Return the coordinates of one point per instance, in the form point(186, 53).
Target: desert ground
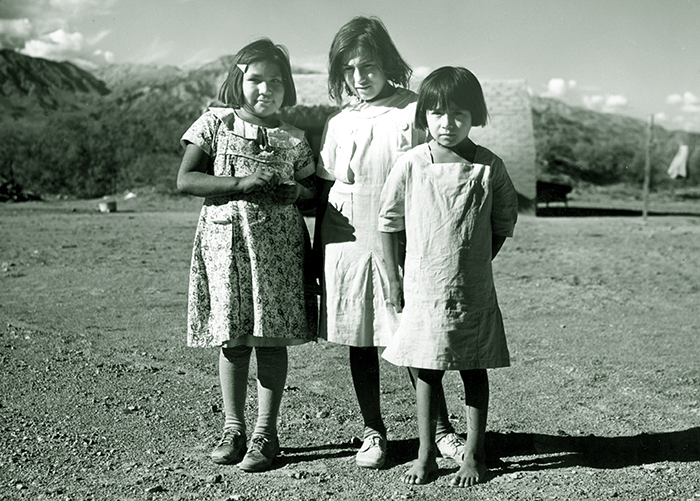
point(101, 399)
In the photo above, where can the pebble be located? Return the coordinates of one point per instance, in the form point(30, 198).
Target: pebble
point(214, 479)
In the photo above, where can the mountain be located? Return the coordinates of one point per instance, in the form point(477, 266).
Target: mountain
point(119, 128)
point(30, 84)
point(576, 144)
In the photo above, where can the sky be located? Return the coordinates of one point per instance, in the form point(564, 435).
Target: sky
point(634, 57)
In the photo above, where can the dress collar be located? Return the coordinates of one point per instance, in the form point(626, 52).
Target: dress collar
point(399, 99)
point(282, 136)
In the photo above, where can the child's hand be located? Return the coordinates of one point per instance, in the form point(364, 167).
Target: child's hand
point(286, 192)
point(396, 295)
point(259, 180)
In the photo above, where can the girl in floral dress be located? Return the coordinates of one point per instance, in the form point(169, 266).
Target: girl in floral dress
point(247, 285)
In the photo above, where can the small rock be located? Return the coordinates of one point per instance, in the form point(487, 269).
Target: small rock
point(154, 489)
point(214, 479)
point(322, 414)
point(236, 497)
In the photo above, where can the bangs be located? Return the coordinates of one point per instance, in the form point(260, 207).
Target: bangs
point(447, 87)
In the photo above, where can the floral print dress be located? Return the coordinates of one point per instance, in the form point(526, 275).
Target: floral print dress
point(247, 283)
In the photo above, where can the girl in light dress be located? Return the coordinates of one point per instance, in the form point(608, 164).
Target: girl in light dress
point(247, 287)
point(360, 144)
point(456, 203)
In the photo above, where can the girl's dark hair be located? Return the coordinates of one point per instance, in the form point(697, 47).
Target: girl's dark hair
point(448, 85)
point(261, 50)
point(369, 34)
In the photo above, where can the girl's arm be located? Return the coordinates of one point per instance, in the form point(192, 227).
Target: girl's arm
point(192, 178)
point(390, 245)
point(289, 192)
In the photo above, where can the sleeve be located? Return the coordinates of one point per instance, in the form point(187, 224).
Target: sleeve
point(201, 133)
point(326, 159)
point(304, 164)
point(392, 203)
point(504, 208)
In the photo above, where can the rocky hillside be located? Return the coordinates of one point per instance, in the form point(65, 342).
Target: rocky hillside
point(576, 144)
point(28, 84)
point(119, 127)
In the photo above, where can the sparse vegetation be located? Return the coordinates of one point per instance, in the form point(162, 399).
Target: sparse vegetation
point(91, 144)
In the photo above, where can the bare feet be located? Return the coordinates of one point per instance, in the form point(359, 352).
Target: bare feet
point(471, 473)
point(422, 472)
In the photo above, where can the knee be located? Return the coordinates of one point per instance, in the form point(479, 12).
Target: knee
point(237, 354)
point(429, 376)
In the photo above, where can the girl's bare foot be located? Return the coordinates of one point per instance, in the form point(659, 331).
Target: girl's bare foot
point(471, 473)
point(422, 472)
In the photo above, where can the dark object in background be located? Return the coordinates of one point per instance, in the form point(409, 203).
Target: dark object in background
point(552, 192)
point(13, 192)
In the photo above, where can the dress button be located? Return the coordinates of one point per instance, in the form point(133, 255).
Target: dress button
point(404, 126)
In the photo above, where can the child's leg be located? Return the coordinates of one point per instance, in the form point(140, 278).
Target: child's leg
point(428, 389)
point(444, 427)
point(476, 397)
point(233, 375)
point(272, 376)
point(364, 366)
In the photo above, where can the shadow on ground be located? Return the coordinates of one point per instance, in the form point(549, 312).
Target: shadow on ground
point(562, 451)
point(603, 212)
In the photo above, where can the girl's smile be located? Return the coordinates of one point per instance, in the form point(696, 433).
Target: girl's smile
point(263, 89)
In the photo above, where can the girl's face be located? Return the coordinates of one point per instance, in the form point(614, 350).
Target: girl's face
point(449, 127)
point(364, 76)
point(263, 89)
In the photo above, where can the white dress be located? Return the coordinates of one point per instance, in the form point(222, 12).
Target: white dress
point(361, 143)
point(451, 319)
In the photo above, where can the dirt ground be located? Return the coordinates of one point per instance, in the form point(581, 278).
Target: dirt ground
point(100, 399)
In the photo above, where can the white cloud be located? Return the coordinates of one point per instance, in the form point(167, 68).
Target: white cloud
point(594, 101)
point(16, 27)
point(58, 45)
point(674, 99)
point(687, 103)
point(41, 28)
point(105, 55)
point(616, 101)
point(690, 98)
point(420, 72)
point(556, 87)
